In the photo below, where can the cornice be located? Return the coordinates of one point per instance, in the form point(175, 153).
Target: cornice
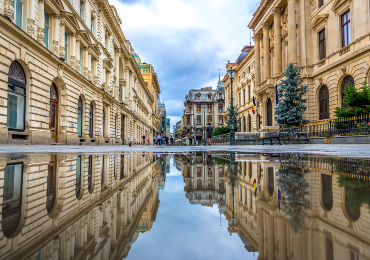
point(264, 5)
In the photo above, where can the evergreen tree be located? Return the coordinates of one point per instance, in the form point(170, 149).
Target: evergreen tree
point(291, 106)
point(356, 102)
point(293, 188)
point(237, 121)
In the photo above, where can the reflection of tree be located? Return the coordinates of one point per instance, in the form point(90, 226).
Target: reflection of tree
point(294, 188)
point(357, 191)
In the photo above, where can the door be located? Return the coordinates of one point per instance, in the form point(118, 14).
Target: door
point(54, 113)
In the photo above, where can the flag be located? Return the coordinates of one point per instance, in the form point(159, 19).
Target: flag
point(255, 188)
point(276, 95)
point(279, 198)
point(253, 106)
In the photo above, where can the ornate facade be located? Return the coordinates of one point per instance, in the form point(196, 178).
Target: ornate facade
point(68, 76)
point(328, 40)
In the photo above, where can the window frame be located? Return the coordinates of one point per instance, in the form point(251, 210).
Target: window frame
point(346, 26)
point(322, 44)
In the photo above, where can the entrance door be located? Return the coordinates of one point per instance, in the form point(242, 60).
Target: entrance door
point(54, 113)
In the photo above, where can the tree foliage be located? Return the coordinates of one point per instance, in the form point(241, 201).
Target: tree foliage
point(356, 102)
point(221, 130)
point(358, 194)
point(237, 120)
point(291, 106)
point(294, 189)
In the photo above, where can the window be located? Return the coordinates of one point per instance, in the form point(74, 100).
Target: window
point(12, 198)
point(321, 3)
point(347, 81)
point(199, 120)
point(326, 191)
point(188, 119)
point(221, 119)
point(249, 93)
point(18, 13)
point(249, 123)
point(355, 256)
point(269, 113)
point(91, 121)
point(198, 97)
point(122, 167)
point(92, 25)
point(82, 10)
point(244, 74)
point(90, 174)
point(79, 117)
point(209, 97)
point(102, 170)
point(51, 186)
point(271, 180)
point(244, 97)
point(103, 122)
point(78, 176)
point(81, 59)
point(46, 30)
point(220, 108)
point(209, 108)
point(322, 51)
point(16, 97)
point(324, 103)
point(66, 47)
point(199, 108)
point(346, 29)
point(352, 211)
point(329, 249)
point(53, 109)
point(220, 95)
point(209, 119)
point(240, 98)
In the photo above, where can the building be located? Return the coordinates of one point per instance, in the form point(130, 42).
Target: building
point(324, 38)
point(162, 128)
point(69, 76)
point(168, 126)
point(202, 107)
point(86, 206)
point(178, 130)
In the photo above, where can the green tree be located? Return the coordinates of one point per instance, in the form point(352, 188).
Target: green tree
point(294, 189)
point(359, 193)
point(356, 102)
point(237, 120)
point(291, 106)
point(221, 130)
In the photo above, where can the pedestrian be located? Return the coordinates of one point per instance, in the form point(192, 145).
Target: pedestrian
point(209, 132)
point(161, 140)
point(171, 140)
point(158, 139)
point(191, 139)
point(143, 139)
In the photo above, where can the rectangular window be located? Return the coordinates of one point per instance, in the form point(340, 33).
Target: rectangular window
point(209, 108)
point(220, 108)
point(190, 108)
point(66, 47)
point(346, 29)
point(244, 96)
point(16, 107)
point(221, 119)
point(46, 30)
point(321, 3)
point(82, 10)
point(322, 51)
point(12, 192)
point(209, 119)
point(188, 120)
point(92, 25)
point(93, 71)
point(81, 59)
point(199, 119)
point(18, 13)
point(199, 107)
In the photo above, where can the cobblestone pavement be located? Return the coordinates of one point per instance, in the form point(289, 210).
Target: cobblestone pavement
point(349, 150)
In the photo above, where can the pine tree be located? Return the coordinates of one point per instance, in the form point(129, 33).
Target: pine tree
point(237, 121)
point(294, 188)
point(291, 106)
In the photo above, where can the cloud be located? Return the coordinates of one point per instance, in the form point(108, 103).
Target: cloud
point(186, 41)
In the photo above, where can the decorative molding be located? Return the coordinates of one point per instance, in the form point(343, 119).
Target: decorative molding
point(277, 11)
point(40, 35)
point(9, 9)
point(30, 27)
point(319, 20)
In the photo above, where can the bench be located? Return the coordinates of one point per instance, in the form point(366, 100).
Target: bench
point(272, 135)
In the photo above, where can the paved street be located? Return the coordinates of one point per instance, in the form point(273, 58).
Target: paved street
point(350, 150)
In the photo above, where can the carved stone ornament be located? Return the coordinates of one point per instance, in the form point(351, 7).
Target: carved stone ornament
point(30, 26)
point(257, 37)
point(343, 70)
point(68, 235)
point(56, 47)
point(90, 75)
point(73, 61)
point(56, 245)
point(62, 51)
point(86, 72)
point(49, 250)
point(77, 64)
point(60, 71)
point(277, 11)
point(9, 8)
point(40, 35)
point(96, 81)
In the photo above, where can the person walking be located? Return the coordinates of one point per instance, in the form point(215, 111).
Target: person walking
point(158, 139)
point(161, 140)
point(143, 139)
point(209, 132)
point(171, 140)
point(191, 139)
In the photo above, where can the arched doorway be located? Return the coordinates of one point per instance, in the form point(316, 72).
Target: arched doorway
point(249, 123)
point(324, 103)
point(269, 113)
point(91, 121)
point(54, 112)
point(16, 106)
point(348, 80)
point(79, 117)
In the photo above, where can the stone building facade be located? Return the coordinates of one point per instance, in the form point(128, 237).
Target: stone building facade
point(202, 107)
point(68, 76)
point(76, 207)
point(328, 40)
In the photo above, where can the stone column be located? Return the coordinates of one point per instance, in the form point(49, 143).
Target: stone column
point(124, 205)
point(292, 36)
point(86, 62)
point(277, 40)
point(72, 242)
point(55, 248)
point(257, 39)
point(266, 51)
point(270, 237)
point(89, 66)
point(86, 227)
point(249, 199)
point(62, 43)
point(282, 239)
point(55, 34)
point(116, 66)
point(73, 51)
point(67, 244)
point(31, 18)
point(78, 61)
point(261, 237)
point(41, 29)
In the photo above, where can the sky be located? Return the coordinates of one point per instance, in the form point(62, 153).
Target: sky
point(186, 41)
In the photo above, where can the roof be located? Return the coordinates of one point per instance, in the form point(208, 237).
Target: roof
point(244, 53)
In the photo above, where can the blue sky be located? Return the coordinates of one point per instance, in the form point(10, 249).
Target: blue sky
point(186, 41)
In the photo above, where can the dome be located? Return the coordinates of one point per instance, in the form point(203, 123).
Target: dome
point(244, 53)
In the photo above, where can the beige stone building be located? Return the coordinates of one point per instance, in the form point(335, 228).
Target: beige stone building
point(75, 207)
point(68, 76)
point(328, 40)
point(202, 107)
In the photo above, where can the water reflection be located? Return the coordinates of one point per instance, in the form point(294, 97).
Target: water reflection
point(282, 206)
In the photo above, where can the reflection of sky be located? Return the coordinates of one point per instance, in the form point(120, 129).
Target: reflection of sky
point(185, 231)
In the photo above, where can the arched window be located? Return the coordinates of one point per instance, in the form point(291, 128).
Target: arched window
point(91, 121)
point(348, 80)
point(250, 170)
point(12, 198)
point(122, 128)
point(51, 185)
point(79, 116)
point(326, 191)
point(78, 176)
point(270, 174)
point(245, 124)
point(323, 103)
point(90, 174)
point(115, 127)
point(249, 123)
point(122, 167)
point(114, 166)
point(249, 93)
point(352, 212)
point(53, 112)
point(16, 97)
point(103, 122)
point(269, 113)
point(102, 170)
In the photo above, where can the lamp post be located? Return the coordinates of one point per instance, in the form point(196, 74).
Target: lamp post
point(204, 124)
point(194, 129)
point(232, 133)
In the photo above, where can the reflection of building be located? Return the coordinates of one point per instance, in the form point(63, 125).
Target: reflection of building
point(334, 229)
point(178, 130)
point(204, 180)
point(73, 213)
point(162, 128)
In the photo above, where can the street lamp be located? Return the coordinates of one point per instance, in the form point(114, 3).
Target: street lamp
point(204, 124)
point(232, 133)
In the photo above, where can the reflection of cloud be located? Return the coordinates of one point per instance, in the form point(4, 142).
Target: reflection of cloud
point(186, 41)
